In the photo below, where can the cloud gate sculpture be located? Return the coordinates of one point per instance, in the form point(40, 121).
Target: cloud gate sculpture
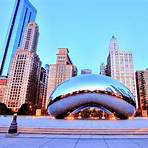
point(92, 90)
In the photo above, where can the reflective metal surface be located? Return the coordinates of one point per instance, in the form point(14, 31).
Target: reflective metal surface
point(91, 82)
point(95, 89)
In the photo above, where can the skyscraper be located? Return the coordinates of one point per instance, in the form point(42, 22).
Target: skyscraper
point(22, 14)
point(61, 71)
point(23, 79)
point(142, 91)
point(120, 65)
point(43, 81)
point(45, 100)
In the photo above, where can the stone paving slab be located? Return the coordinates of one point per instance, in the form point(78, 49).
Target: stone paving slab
point(66, 141)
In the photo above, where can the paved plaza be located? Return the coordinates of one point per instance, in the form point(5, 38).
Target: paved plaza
point(73, 141)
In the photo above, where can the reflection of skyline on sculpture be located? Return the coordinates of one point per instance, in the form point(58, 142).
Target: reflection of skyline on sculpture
point(91, 82)
point(91, 32)
point(91, 90)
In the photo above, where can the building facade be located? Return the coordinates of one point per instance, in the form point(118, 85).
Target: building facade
point(102, 69)
point(23, 79)
point(3, 83)
point(41, 103)
point(23, 13)
point(120, 65)
point(31, 35)
point(142, 91)
point(61, 71)
point(86, 71)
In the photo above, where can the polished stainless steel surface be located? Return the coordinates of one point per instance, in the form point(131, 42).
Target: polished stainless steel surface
point(92, 89)
point(91, 82)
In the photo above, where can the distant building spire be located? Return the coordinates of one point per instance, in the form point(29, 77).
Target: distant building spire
point(113, 46)
point(113, 36)
point(30, 39)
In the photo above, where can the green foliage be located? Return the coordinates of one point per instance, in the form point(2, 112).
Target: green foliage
point(24, 109)
point(4, 110)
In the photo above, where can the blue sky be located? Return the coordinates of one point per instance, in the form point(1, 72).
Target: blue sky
point(85, 27)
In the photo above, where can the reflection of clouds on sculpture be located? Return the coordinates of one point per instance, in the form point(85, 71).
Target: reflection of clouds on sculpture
point(123, 92)
point(125, 95)
point(92, 89)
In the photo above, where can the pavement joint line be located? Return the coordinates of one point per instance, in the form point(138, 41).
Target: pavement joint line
point(106, 142)
point(51, 139)
point(77, 141)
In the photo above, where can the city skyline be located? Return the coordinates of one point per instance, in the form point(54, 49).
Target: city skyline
point(84, 27)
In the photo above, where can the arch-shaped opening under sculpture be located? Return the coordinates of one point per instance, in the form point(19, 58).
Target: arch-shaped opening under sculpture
point(91, 111)
point(63, 107)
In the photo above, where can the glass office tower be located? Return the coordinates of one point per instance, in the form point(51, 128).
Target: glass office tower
point(23, 13)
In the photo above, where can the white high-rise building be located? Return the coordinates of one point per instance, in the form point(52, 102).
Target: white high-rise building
point(61, 71)
point(23, 79)
point(120, 65)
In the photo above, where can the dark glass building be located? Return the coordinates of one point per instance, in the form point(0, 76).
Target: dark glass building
point(23, 13)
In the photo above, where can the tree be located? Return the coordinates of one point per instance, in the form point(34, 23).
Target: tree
point(24, 109)
point(4, 110)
